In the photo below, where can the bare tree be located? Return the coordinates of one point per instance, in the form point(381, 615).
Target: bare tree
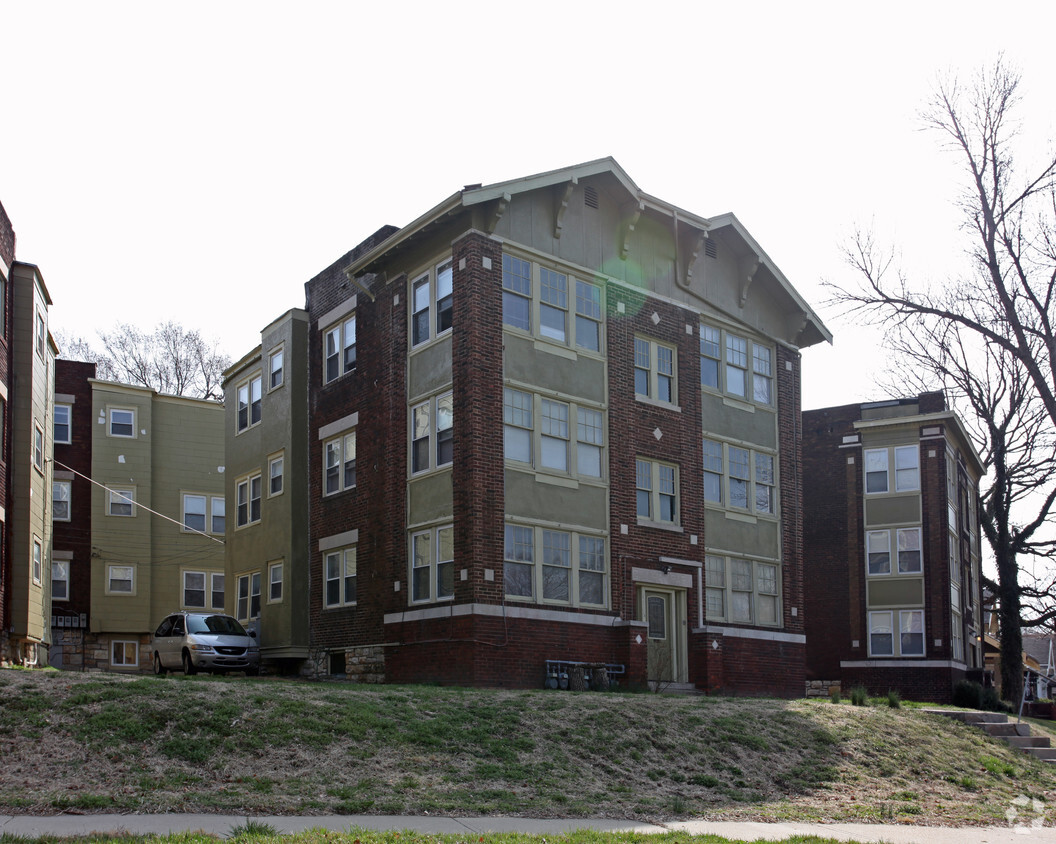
point(988, 336)
point(171, 359)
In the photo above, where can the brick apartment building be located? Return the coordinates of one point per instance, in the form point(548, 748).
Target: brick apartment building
point(556, 421)
point(893, 547)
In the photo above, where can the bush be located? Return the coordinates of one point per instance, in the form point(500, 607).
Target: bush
point(992, 702)
point(859, 696)
point(834, 695)
point(894, 699)
point(968, 694)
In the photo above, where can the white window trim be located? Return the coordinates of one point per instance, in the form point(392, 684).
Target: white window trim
point(538, 566)
point(752, 343)
point(65, 564)
point(272, 460)
point(248, 578)
point(39, 445)
point(246, 385)
point(342, 554)
point(206, 594)
point(36, 562)
point(655, 493)
point(123, 663)
point(110, 411)
point(246, 481)
point(432, 404)
point(60, 482)
point(756, 591)
point(574, 443)
point(340, 329)
point(890, 469)
point(272, 568)
point(108, 590)
point(653, 373)
point(121, 495)
point(895, 617)
point(752, 481)
point(571, 309)
point(431, 566)
point(341, 441)
point(277, 351)
point(69, 422)
point(430, 277)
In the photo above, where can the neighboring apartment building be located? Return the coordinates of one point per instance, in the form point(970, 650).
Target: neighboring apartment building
point(266, 434)
point(556, 421)
point(71, 512)
point(7, 258)
point(892, 545)
point(158, 517)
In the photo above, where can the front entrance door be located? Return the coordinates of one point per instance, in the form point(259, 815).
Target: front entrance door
point(663, 611)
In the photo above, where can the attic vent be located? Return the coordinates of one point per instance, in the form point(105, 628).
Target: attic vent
point(590, 196)
point(711, 249)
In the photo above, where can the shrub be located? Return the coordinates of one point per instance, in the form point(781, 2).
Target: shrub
point(992, 702)
point(834, 695)
point(968, 694)
point(859, 695)
point(894, 699)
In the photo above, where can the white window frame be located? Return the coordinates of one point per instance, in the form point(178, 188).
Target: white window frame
point(276, 474)
point(659, 484)
point(339, 348)
point(655, 369)
point(888, 546)
point(66, 411)
point(186, 499)
point(430, 302)
point(729, 581)
point(37, 562)
point(344, 561)
point(40, 334)
point(60, 574)
point(244, 498)
point(249, 403)
point(57, 500)
point(276, 368)
point(905, 616)
point(337, 465)
point(38, 447)
point(217, 510)
point(214, 577)
point(121, 497)
point(247, 596)
point(583, 305)
point(881, 623)
point(582, 433)
point(723, 351)
point(562, 565)
point(432, 565)
point(904, 482)
point(126, 645)
point(185, 576)
point(275, 582)
point(885, 620)
point(884, 465)
point(112, 576)
point(903, 538)
point(112, 412)
point(429, 441)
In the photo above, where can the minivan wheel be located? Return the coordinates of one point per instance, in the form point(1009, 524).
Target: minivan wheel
point(188, 666)
point(159, 669)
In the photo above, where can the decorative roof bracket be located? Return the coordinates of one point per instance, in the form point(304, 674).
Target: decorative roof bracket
point(698, 247)
point(562, 206)
point(633, 212)
point(797, 324)
point(747, 267)
point(498, 208)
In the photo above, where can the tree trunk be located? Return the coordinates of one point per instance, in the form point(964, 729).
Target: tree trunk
point(1008, 618)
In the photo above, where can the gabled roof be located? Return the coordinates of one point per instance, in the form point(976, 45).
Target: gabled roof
point(814, 330)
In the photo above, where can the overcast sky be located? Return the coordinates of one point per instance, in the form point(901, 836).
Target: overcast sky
point(200, 161)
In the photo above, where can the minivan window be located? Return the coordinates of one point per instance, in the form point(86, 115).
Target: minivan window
point(220, 625)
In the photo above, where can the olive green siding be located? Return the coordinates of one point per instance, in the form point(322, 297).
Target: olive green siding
point(429, 369)
point(531, 496)
point(281, 535)
point(580, 375)
point(176, 448)
point(31, 398)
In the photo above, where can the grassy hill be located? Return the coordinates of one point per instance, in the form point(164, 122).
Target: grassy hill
point(110, 743)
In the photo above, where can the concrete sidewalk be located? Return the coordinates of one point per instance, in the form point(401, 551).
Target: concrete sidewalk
point(33, 826)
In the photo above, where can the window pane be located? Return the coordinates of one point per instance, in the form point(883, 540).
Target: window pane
point(194, 513)
point(878, 547)
point(445, 562)
point(444, 434)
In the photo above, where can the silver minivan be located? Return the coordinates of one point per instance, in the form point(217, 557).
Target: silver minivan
point(206, 641)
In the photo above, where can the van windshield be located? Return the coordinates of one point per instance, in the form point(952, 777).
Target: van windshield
point(221, 625)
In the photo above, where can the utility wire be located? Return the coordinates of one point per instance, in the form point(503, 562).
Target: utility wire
point(120, 495)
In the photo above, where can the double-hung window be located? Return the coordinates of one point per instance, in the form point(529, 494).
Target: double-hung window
point(339, 577)
point(121, 502)
point(63, 417)
point(61, 493)
point(194, 514)
point(907, 469)
point(38, 447)
point(276, 474)
point(903, 555)
point(339, 463)
point(551, 305)
point(275, 369)
point(248, 603)
point(657, 492)
point(339, 349)
point(432, 433)
point(431, 293)
point(910, 640)
point(555, 566)
point(249, 402)
point(218, 514)
point(60, 580)
point(122, 422)
point(654, 371)
point(735, 365)
point(248, 494)
point(37, 562)
point(739, 477)
point(570, 438)
point(433, 564)
point(202, 586)
point(742, 591)
point(120, 580)
point(274, 583)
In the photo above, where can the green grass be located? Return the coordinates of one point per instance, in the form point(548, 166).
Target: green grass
point(268, 746)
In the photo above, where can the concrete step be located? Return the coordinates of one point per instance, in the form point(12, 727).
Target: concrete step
point(969, 716)
point(1045, 754)
point(1002, 730)
point(1024, 742)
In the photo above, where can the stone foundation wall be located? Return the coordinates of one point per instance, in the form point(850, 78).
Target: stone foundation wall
point(822, 688)
point(364, 664)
